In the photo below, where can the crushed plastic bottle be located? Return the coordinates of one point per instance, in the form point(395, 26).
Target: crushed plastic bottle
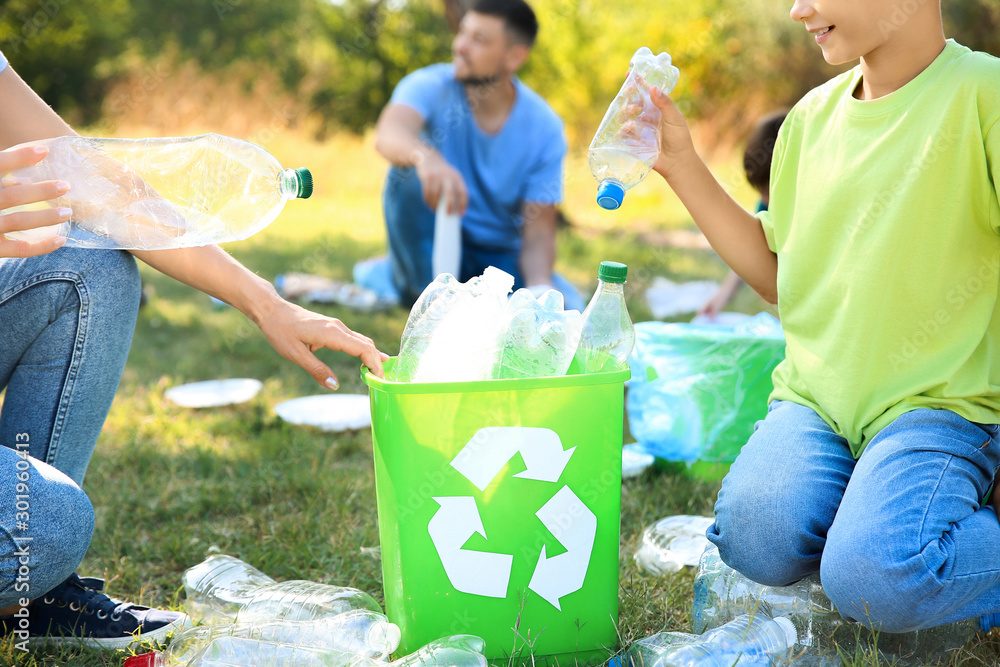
point(627, 141)
point(540, 338)
point(608, 336)
point(721, 594)
point(302, 601)
point(452, 651)
point(673, 542)
point(154, 194)
point(455, 330)
point(234, 651)
point(219, 585)
point(746, 640)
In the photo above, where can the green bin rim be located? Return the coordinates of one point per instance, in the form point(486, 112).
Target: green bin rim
point(555, 381)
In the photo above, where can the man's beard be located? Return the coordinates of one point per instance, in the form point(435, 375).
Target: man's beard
point(480, 81)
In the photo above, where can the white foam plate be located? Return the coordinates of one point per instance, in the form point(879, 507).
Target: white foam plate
point(330, 412)
point(214, 392)
point(635, 460)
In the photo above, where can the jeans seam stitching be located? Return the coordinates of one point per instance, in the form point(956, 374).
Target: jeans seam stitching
point(36, 279)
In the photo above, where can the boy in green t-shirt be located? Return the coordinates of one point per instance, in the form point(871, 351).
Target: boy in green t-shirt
point(881, 248)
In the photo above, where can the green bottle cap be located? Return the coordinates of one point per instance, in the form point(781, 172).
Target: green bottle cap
point(305, 183)
point(612, 272)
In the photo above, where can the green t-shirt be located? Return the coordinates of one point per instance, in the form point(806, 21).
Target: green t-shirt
point(886, 222)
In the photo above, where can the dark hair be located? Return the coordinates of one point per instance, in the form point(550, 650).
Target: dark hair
point(760, 146)
point(521, 24)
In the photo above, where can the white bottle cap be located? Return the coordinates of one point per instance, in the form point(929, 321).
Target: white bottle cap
point(790, 633)
point(385, 634)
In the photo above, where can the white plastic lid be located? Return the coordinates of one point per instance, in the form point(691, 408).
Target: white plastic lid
point(385, 634)
point(791, 634)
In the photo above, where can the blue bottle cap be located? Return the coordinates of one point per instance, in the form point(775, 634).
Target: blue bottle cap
point(610, 195)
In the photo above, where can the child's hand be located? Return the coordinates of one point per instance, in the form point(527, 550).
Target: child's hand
point(676, 146)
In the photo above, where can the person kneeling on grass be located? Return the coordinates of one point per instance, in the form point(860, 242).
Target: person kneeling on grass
point(66, 322)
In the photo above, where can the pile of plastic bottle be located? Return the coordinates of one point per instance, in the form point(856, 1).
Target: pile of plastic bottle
point(461, 332)
point(724, 600)
point(251, 619)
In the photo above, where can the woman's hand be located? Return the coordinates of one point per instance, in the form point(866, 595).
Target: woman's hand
point(295, 333)
point(14, 193)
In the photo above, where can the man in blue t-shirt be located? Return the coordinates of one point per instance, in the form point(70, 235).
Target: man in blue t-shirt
point(471, 132)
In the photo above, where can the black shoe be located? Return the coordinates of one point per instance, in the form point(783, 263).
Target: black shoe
point(77, 612)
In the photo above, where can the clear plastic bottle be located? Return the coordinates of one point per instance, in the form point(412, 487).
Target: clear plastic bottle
point(233, 651)
point(671, 543)
point(746, 640)
point(302, 601)
point(608, 336)
point(452, 651)
point(219, 585)
point(153, 194)
point(362, 633)
point(721, 594)
point(627, 141)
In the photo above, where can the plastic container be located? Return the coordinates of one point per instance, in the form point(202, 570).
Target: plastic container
point(219, 585)
point(499, 506)
point(302, 601)
point(153, 194)
point(721, 594)
point(671, 543)
point(233, 651)
point(627, 142)
point(697, 391)
point(607, 337)
point(746, 640)
point(453, 651)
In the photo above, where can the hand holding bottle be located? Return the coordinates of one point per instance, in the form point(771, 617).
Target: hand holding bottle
point(14, 193)
point(676, 144)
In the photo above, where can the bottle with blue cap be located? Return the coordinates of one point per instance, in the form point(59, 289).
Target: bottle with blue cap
point(627, 142)
point(608, 336)
point(156, 194)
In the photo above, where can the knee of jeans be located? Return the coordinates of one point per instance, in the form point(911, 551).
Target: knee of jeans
point(753, 549)
point(867, 589)
point(68, 532)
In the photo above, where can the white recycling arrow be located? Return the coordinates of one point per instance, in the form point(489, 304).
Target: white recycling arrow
point(575, 526)
point(489, 450)
point(475, 572)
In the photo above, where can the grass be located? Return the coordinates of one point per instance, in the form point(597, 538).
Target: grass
point(169, 484)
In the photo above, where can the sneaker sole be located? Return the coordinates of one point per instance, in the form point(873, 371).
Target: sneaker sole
point(109, 643)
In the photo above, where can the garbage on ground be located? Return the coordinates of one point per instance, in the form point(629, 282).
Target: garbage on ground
point(748, 639)
point(156, 194)
point(635, 460)
point(673, 542)
point(329, 412)
point(375, 274)
point(319, 289)
point(260, 621)
point(213, 393)
point(667, 298)
point(697, 391)
point(722, 594)
point(627, 141)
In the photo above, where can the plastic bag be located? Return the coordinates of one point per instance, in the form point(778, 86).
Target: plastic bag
point(696, 391)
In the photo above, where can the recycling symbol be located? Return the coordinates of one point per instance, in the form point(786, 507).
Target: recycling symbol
point(572, 523)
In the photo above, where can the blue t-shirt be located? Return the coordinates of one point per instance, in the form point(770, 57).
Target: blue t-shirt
point(521, 163)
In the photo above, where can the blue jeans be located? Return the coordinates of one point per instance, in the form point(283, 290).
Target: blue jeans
point(410, 230)
point(66, 323)
point(898, 536)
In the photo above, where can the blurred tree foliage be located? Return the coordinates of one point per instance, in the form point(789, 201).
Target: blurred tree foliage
point(342, 58)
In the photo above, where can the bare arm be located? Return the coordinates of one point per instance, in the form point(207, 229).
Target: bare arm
point(538, 250)
point(397, 139)
point(735, 234)
point(293, 331)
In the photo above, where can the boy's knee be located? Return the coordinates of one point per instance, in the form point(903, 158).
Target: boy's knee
point(59, 550)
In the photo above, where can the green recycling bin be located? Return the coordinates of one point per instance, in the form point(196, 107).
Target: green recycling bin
point(499, 506)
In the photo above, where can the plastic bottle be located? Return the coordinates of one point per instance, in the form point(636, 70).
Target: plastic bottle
point(607, 337)
point(746, 640)
point(627, 141)
point(721, 594)
point(232, 651)
point(302, 601)
point(152, 194)
point(672, 542)
point(219, 585)
point(452, 651)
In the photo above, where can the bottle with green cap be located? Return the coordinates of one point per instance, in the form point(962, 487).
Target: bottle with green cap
point(608, 335)
point(155, 194)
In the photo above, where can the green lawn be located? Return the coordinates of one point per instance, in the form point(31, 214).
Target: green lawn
point(170, 483)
